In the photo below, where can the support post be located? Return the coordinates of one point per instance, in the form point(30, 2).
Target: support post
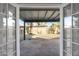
point(24, 30)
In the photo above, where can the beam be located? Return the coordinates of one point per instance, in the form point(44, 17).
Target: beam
point(38, 15)
point(45, 14)
point(47, 20)
point(51, 14)
point(39, 9)
point(57, 15)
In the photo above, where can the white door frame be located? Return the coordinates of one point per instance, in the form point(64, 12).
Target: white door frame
point(61, 31)
point(61, 22)
point(61, 27)
point(17, 29)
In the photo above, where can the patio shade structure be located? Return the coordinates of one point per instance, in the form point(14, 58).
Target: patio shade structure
point(39, 15)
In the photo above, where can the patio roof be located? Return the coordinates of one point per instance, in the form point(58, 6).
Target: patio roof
point(39, 14)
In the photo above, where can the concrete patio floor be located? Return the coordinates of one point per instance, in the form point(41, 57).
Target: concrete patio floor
point(40, 47)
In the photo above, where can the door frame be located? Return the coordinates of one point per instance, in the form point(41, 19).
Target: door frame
point(18, 28)
point(62, 27)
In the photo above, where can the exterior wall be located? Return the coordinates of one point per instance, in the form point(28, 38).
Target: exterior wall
point(40, 30)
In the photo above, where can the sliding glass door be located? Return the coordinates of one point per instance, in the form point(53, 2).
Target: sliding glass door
point(67, 30)
point(75, 29)
point(11, 30)
point(3, 27)
point(7, 30)
point(71, 30)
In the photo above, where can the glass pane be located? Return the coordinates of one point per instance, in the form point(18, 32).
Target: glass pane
point(3, 34)
point(67, 33)
point(76, 21)
point(1, 27)
point(67, 10)
point(66, 54)
point(0, 37)
point(75, 50)
point(4, 30)
point(75, 35)
point(12, 11)
point(14, 46)
point(66, 46)
point(0, 50)
point(0, 7)
point(4, 50)
point(3, 46)
point(11, 35)
point(10, 48)
point(67, 30)
point(11, 30)
point(67, 22)
point(1, 22)
point(0, 42)
point(75, 8)
point(4, 8)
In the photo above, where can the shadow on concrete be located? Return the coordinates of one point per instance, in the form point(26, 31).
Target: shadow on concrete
point(40, 47)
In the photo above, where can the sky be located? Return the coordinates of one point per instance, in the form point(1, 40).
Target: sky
point(21, 23)
point(67, 21)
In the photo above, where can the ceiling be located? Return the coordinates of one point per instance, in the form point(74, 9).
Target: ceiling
point(46, 13)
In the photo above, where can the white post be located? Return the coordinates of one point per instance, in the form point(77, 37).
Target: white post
point(17, 32)
point(61, 31)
